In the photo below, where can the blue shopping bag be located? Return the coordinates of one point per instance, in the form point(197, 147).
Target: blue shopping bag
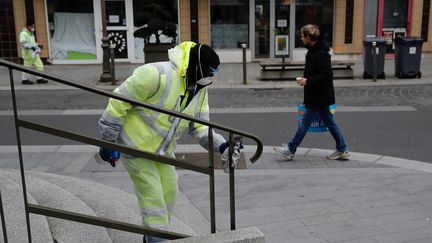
point(317, 125)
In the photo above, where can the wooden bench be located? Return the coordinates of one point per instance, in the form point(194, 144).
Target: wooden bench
point(289, 70)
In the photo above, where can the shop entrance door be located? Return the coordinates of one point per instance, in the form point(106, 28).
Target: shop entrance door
point(393, 21)
point(119, 24)
point(272, 28)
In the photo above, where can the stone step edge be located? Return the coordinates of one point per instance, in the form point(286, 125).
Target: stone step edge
point(16, 230)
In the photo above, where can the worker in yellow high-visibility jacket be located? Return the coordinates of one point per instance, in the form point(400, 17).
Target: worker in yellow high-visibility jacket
point(30, 51)
point(179, 84)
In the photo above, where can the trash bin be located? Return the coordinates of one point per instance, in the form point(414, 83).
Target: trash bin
point(368, 59)
point(407, 57)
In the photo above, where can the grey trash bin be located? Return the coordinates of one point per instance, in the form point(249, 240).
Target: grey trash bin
point(368, 62)
point(407, 57)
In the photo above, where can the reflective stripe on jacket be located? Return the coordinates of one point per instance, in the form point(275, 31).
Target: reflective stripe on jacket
point(159, 84)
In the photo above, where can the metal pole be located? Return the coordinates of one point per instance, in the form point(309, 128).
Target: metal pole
point(106, 73)
point(112, 58)
point(212, 183)
point(374, 61)
point(243, 45)
point(106, 67)
point(26, 210)
point(3, 220)
point(283, 62)
point(104, 30)
point(231, 183)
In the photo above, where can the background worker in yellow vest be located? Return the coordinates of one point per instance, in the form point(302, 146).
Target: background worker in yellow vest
point(30, 52)
point(179, 84)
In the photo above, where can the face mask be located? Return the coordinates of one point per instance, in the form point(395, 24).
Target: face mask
point(205, 81)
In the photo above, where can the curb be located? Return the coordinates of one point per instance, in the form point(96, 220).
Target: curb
point(193, 148)
point(263, 85)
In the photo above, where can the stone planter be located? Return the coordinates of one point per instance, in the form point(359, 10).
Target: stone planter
point(157, 52)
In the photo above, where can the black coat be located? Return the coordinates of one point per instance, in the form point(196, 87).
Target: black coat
point(319, 90)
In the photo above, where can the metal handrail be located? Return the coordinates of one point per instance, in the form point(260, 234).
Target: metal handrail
point(75, 84)
point(30, 208)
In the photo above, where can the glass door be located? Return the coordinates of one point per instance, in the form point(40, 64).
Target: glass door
point(282, 28)
point(272, 27)
point(118, 21)
point(394, 21)
point(262, 29)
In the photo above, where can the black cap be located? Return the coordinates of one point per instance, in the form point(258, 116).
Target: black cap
point(208, 57)
point(30, 22)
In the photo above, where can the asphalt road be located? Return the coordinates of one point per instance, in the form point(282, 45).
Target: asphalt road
point(388, 131)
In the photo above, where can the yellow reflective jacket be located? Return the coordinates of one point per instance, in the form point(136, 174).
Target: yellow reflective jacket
point(161, 84)
point(27, 41)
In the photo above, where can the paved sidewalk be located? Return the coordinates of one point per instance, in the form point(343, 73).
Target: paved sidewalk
point(370, 198)
point(230, 76)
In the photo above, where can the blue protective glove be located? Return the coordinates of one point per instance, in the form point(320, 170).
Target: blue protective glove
point(109, 155)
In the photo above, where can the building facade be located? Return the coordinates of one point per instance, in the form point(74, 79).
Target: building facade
point(71, 31)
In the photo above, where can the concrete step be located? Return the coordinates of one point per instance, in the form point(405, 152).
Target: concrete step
point(190, 215)
point(50, 195)
point(109, 203)
point(13, 206)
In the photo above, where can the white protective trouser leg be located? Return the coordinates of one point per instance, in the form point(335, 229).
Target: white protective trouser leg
point(156, 188)
point(37, 62)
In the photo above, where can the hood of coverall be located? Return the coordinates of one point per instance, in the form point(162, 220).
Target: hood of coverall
point(193, 62)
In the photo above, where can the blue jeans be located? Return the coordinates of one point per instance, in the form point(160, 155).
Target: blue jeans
point(327, 118)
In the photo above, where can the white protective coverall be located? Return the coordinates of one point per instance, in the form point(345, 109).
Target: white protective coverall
point(161, 84)
point(31, 57)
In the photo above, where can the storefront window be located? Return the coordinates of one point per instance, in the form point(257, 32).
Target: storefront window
point(115, 13)
point(318, 12)
point(71, 30)
point(229, 23)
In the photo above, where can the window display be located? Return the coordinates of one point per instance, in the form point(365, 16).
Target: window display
point(229, 23)
point(71, 27)
point(318, 12)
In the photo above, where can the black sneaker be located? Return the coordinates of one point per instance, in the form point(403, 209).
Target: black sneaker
point(42, 81)
point(26, 82)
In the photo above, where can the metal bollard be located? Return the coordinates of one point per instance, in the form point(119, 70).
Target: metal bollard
point(243, 46)
point(374, 61)
point(106, 70)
